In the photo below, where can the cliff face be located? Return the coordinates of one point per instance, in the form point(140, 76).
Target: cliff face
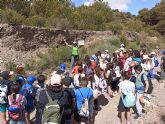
point(21, 38)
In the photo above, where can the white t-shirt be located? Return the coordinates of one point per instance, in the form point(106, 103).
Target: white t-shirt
point(76, 80)
point(126, 65)
point(126, 85)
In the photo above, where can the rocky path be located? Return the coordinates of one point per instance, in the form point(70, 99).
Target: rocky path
point(153, 114)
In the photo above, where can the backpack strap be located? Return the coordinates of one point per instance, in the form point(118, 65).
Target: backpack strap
point(142, 79)
point(82, 94)
point(11, 99)
point(19, 98)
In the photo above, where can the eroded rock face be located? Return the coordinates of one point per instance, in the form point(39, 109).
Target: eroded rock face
point(23, 38)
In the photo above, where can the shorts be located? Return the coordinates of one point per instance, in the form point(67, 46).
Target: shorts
point(29, 109)
point(121, 107)
point(3, 107)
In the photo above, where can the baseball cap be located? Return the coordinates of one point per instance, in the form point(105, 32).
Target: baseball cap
point(31, 79)
point(145, 57)
point(153, 53)
point(56, 80)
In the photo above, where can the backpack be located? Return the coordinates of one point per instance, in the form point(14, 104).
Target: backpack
point(129, 100)
point(88, 70)
point(84, 110)
point(51, 112)
point(38, 96)
point(15, 109)
point(3, 93)
point(150, 88)
point(112, 75)
point(156, 62)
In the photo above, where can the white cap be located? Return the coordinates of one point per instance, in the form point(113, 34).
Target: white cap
point(145, 57)
point(122, 45)
point(56, 80)
point(153, 53)
point(117, 51)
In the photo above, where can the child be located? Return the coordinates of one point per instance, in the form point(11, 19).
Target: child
point(26, 91)
point(124, 87)
point(70, 96)
point(39, 91)
point(16, 106)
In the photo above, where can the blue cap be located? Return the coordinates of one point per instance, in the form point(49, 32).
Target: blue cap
point(62, 67)
point(31, 79)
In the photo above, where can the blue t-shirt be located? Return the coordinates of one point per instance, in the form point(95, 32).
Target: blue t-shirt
point(86, 92)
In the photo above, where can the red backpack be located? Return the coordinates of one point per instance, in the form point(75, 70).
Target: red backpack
point(15, 109)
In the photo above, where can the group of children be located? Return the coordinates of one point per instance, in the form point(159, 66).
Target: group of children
point(67, 98)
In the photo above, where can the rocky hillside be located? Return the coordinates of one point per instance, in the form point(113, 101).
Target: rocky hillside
point(22, 43)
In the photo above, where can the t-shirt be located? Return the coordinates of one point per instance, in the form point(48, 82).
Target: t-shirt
point(139, 84)
point(86, 92)
point(126, 86)
point(75, 51)
point(75, 69)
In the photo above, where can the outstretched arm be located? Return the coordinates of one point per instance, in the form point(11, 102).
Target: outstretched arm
point(68, 44)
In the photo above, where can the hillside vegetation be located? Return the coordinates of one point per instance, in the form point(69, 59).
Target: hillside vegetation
point(64, 15)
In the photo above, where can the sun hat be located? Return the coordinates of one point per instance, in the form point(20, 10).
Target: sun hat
point(56, 80)
point(106, 51)
point(145, 57)
point(117, 51)
point(122, 45)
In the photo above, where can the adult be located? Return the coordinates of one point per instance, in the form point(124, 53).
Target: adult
point(74, 54)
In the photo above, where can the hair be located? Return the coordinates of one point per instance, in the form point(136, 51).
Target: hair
point(41, 79)
point(80, 70)
point(15, 89)
point(83, 80)
point(136, 54)
point(19, 70)
point(79, 63)
point(138, 68)
point(97, 71)
point(55, 89)
point(127, 75)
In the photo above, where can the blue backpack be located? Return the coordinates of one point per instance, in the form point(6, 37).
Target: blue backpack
point(156, 62)
point(129, 100)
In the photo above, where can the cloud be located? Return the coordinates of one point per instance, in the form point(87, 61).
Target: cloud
point(121, 5)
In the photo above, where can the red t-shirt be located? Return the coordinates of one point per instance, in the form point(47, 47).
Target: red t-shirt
point(75, 69)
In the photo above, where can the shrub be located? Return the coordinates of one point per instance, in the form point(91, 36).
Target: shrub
point(36, 21)
point(114, 27)
point(12, 17)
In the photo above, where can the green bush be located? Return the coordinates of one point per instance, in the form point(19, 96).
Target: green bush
point(12, 17)
point(114, 27)
point(36, 21)
point(51, 59)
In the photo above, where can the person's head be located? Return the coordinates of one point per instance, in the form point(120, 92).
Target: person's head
point(80, 70)
point(15, 88)
point(145, 58)
point(99, 53)
point(55, 83)
point(31, 79)
point(75, 43)
point(62, 67)
point(136, 54)
point(41, 79)
point(6, 75)
point(110, 66)
point(79, 63)
point(83, 80)
point(127, 75)
point(153, 53)
point(67, 81)
point(19, 69)
point(122, 45)
point(138, 69)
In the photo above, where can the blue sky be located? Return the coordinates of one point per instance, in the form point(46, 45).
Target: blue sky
point(132, 6)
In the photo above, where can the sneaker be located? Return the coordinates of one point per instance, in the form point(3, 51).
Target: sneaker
point(137, 116)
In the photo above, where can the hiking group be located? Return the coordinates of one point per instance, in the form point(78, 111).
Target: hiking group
point(71, 97)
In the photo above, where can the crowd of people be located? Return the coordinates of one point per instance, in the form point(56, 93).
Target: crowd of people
point(71, 97)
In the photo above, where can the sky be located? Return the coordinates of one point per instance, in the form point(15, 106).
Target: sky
point(132, 6)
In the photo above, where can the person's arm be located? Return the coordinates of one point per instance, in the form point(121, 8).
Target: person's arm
point(146, 83)
point(68, 44)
